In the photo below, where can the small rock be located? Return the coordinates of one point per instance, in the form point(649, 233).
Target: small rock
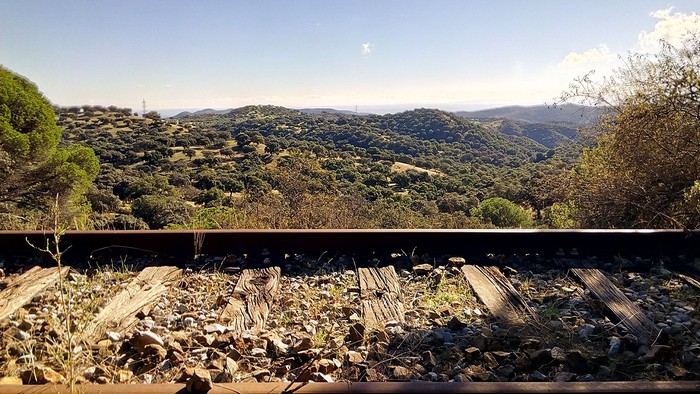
point(89, 372)
point(277, 346)
point(455, 324)
point(104, 347)
point(614, 347)
point(558, 354)
point(472, 353)
point(456, 261)
point(188, 321)
point(490, 361)
point(143, 338)
point(537, 376)
point(232, 270)
point(658, 353)
point(585, 378)
point(357, 332)
point(258, 352)
point(124, 375)
point(230, 366)
point(305, 343)
point(577, 363)
point(326, 366)
point(205, 340)
point(531, 344)
point(200, 381)
point(212, 328)
point(261, 375)
point(428, 359)
point(25, 325)
point(348, 311)
point(564, 377)
point(321, 377)
point(156, 351)
point(372, 375)
point(400, 373)
point(41, 374)
point(354, 357)
point(586, 331)
point(22, 335)
point(540, 357)
point(422, 269)
point(480, 342)
point(506, 370)
point(113, 336)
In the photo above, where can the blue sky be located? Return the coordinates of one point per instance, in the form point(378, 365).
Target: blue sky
point(378, 55)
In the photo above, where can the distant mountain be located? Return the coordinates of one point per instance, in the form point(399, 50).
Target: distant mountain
point(207, 111)
point(316, 111)
point(567, 113)
point(551, 135)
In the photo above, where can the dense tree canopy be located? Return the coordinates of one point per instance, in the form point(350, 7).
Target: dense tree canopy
point(642, 171)
point(33, 169)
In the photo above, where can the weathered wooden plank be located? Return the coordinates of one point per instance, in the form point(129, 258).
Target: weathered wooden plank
point(381, 296)
point(690, 280)
point(497, 293)
point(627, 312)
point(252, 299)
point(21, 290)
point(120, 313)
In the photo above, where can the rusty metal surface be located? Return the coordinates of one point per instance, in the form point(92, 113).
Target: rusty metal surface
point(184, 244)
point(375, 387)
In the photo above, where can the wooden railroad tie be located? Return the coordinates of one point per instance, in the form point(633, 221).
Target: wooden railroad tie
point(22, 289)
point(252, 299)
point(381, 296)
point(120, 314)
point(498, 294)
point(627, 312)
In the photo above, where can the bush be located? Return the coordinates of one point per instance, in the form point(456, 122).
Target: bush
point(502, 213)
point(159, 211)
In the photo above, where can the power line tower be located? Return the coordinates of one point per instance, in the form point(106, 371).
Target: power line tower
point(144, 108)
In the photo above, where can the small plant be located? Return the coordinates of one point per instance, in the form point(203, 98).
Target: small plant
point(551, 312)
point(320, 337)
point(66, 338)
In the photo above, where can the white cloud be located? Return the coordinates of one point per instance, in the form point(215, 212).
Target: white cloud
point(367, 48)
point(591, 56)
point(670, 27)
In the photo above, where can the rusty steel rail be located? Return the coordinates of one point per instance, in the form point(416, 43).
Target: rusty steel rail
point(184, 244)
point(375, 387)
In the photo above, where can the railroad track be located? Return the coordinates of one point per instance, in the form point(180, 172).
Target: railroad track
point(352, 311)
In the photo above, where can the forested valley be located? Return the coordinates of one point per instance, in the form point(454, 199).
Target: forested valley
point(629, 157)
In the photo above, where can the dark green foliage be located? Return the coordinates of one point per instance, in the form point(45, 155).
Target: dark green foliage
point(502, 213)
point(33, 169)
point(159, 211)
point(270, 164)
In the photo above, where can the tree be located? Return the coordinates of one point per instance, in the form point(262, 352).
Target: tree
point(646, 159)
point(502, 213)
point(33, 169)
point(152, 115)
point(189, 152)
point(159, 211)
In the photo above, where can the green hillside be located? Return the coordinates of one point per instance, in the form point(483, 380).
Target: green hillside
point(420, 168)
